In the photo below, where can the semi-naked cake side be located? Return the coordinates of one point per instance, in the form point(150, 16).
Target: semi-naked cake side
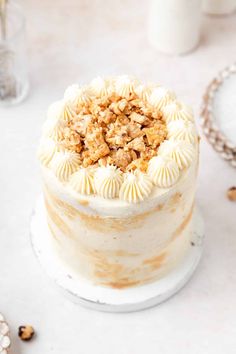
point(119, 166)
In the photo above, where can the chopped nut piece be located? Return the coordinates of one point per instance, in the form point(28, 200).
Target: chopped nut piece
point(117, 136)
point(155, 135)
point(80, 126)
point(72, 141)
point(103, 161)
point(122, 119)
point(148, 153)
point(95, 143)
point(26, 333)
point(157, 114)
point(106, 116)
point(137, 144)
point(134, 130)
point(118, 107)
point(232, 194)
point(140, 164)
point(121, 158)
point(139, 118)
point(122, 105)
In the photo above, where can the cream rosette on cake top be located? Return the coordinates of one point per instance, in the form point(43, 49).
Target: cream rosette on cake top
point(136, 187)
point(77, 96)
point(61, 111)
point(125, 86)
point(182, 130)
point(118, 138)
point(160, 97)
point(144, 91)
point(59, 115)
point(163, 171)
point(47, 149)
point(107, 181)
point(180, 151)
point(54, 127)
point(177, 111)
point(64, 164)
point(82, 181)
point(101, 87)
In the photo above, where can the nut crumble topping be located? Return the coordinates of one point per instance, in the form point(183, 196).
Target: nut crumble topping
point(125, 132)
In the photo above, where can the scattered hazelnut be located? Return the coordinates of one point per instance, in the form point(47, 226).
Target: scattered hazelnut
point(232, 194)
point(26, 333)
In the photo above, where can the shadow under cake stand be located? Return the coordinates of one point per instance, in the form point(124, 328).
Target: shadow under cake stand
point(101, 298)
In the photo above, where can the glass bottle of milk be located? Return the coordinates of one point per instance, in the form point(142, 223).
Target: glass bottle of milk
point(174, 25)
point(219, 7)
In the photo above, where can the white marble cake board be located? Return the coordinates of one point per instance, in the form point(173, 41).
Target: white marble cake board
point(101, 298)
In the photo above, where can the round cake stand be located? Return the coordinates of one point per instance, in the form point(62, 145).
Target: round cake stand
point(101, 298)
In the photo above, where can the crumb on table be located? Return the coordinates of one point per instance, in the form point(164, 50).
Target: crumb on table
point(231, 194)
point(26, 333)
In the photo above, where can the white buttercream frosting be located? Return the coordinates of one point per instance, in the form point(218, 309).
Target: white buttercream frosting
point(54, 128)
point(107, 181)
point(125, 85)
point(47, 149)
point(77, 95)
point(136, 187)
point(177, 110)
point(143, 91)
point(182, 130)
point(160, 97)
point(61, 110)
point(54, 110)
point(64, 164)
point(67, 112)
point(59, 114)
point(82, 181)
point(180, 151)
point(100, 87)
point(163, 171)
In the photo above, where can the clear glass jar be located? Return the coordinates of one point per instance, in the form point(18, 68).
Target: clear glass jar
point(14, 84)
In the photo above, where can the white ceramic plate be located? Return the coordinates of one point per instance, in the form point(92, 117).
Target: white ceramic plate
point(219, 114)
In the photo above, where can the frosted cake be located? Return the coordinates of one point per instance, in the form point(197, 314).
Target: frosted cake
point(119, 164)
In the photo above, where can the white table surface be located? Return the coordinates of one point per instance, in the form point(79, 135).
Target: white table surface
point(75, 42)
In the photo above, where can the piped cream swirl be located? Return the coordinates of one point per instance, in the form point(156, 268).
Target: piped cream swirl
point(82, 181)
point(47, 149)
point(182, 130)
point(54, 110)
point(64, 164)
point(61, 110)
point(180, 151)
point(143, 91)
point(163, 171)
point(67, 113)
point(125, 86)
point(160, 97)
point(100, 87)
point(107, 181)
point(177, 110)
point(136, 187)
point(54, 128)
point(59, 115)
point(77, 95)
